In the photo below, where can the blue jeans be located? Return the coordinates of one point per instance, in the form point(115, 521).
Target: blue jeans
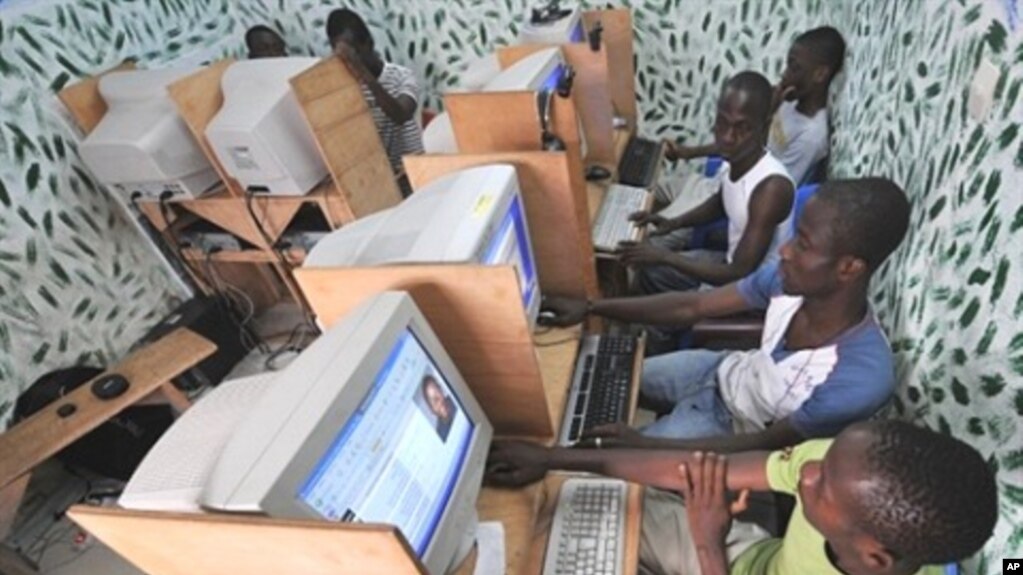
point(688, 380)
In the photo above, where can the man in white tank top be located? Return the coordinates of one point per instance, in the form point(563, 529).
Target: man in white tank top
point(756, 195)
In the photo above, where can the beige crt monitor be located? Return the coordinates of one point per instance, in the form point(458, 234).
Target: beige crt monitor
point(372, 423)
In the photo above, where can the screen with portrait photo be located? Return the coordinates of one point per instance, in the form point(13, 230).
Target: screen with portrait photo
point(397, 459)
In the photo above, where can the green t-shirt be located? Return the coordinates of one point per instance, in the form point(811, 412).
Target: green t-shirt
point(801, 551)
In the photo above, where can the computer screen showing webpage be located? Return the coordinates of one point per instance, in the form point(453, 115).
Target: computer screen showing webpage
point(400, 454)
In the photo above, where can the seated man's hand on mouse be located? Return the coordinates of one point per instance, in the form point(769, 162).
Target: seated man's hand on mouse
point(566, 311)
point(515, 463)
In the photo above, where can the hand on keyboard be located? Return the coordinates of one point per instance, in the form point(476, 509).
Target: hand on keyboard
point(661, 224)
point(611, 435)
point(567, 311)
point(642, 254)
point(515, 463)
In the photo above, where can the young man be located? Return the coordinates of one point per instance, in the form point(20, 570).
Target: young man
point(799, 131)
point(756, 194)
point(823, 363)
point(884, 498)
point(390, 90)
point(264, 42)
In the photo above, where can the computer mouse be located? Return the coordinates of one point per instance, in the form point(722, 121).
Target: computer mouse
point(595, 173)
point(546, 318)
point(109, 386)
point(66, 410)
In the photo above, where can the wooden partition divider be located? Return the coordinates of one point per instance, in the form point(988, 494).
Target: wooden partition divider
point(215, 544)
point(476, 312)
point(591, 93)
point(555, 200)
point(333, 105)
point(617, 40)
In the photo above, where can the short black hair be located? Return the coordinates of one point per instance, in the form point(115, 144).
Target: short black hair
point(341, 20)
point(251, 33)
point(758, 94)
point(934, 500)
point(826, 46)
point(871, 217)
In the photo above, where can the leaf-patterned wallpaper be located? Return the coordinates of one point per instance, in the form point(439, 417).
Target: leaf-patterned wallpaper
point(78, 282)
point(951, 299)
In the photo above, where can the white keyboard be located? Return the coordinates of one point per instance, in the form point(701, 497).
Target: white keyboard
point(588, 530)
point(612, 224)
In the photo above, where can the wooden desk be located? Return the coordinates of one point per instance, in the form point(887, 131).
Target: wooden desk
point(526, 513)
point(183, 544)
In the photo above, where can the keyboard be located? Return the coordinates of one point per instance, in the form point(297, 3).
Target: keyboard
point(588, 530)
point(601, 384)
point(612, 224)
point(639, 163)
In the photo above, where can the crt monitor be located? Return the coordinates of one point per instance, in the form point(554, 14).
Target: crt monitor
point(260, 135)
point(540, 71)
point(474, 215)
point(142, 144)
point(372, 423)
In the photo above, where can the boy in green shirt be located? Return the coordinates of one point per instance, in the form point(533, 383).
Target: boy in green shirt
point(884, 497)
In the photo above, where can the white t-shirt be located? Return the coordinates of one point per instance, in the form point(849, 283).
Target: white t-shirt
point(799, 141)
point(735, 195)
point(398, 139)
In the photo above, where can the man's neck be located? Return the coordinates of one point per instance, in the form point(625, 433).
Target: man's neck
point(812, 103)
point(821, 319)
point(738, 168)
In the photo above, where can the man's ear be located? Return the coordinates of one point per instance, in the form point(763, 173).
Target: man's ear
point(876, 556)
point(820, 74)
point(851, 268)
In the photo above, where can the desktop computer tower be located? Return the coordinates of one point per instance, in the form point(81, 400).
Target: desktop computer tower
point(214, 320)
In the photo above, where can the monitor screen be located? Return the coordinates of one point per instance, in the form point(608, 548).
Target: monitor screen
point(510, 245)
point(399, 456)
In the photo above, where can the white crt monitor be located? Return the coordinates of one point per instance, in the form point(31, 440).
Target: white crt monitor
point(470, 216)
point(260, 135)
point(372, 423)
point(142, 144)
point(540, 71)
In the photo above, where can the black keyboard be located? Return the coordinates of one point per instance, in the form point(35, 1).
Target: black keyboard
point(601, 384)
point(639, 163)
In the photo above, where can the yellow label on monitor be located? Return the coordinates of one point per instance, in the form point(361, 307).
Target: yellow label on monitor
point(482, 206)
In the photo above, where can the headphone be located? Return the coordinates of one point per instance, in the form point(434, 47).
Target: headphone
point(548, 141)
point(545, 99)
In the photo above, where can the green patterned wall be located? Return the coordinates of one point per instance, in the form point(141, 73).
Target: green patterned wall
point(951, 299)
point(78, 283)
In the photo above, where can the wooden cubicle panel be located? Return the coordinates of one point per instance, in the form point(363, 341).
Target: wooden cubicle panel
point(476, 312)
point(489, 121)
point(591, 93)
point(333, 105)
point(29, 442)
point(84, 102)
point(617, 38)
point(198, 99)
point(556, 210)
point(217, 544)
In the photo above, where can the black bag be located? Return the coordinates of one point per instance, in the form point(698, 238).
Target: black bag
point(115, 448)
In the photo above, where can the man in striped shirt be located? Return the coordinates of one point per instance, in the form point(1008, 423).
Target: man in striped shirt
point(390, 90)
